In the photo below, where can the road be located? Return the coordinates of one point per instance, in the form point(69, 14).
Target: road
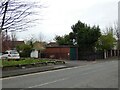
point(95, 75)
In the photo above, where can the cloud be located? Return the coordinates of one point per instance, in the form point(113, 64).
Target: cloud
point(60, 15)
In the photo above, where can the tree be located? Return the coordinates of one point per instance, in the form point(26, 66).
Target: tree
point(24, 50)
point(41, 37)
point(114, 30)
point(16, 15)
point(106, 42)
point(13, 36)
point(39, 46)
point(63, 40)
point(6, 41)
point(13, 39)
point(85, 36)
point(117, 33)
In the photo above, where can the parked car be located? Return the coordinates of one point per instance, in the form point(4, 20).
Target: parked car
point(2, 56)
point(10, 54)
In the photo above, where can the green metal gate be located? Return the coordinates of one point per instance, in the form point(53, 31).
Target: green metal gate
point(73, 53)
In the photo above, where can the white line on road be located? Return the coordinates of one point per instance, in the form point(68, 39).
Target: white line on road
point(70, 77)
point(47, 83)
point(41, 73)
point(31, 74)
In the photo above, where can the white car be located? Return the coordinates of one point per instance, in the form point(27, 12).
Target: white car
point(10, 54)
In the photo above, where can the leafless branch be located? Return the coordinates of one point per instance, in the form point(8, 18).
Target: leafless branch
point(15, 15)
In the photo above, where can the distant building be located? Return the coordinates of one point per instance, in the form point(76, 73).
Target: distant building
point(52, 44)
point(8, 45)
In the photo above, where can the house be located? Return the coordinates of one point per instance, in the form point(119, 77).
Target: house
point(8, 45)
point(52, 44)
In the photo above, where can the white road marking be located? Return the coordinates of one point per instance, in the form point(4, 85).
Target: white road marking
point(31, 74)
point(41, 73)
point(47, 83)
point(62, 79)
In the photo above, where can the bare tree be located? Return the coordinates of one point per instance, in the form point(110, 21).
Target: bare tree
point(117, 33)
point(41, 37)
point(116, 30)
point(17, 15)
point(13, 36)
point(6, 41)
point(13, 39)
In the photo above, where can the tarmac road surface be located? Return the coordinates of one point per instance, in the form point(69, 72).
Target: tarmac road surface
point(98, 75)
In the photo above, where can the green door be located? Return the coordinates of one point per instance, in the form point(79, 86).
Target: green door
point(73, 53)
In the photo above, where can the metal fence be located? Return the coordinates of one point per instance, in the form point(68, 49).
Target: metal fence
point(86, 55)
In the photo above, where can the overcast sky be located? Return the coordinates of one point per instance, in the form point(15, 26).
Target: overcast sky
point(60, 15)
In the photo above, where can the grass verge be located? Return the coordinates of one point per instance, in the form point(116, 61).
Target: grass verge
point(5, 63)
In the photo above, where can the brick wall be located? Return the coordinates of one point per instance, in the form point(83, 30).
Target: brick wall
point(57, 52)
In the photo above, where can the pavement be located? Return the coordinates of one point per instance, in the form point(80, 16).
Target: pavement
point(93, 74)
point(23, 70)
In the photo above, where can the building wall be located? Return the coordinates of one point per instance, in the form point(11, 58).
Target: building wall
point(57, 52)
point(8, 45)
